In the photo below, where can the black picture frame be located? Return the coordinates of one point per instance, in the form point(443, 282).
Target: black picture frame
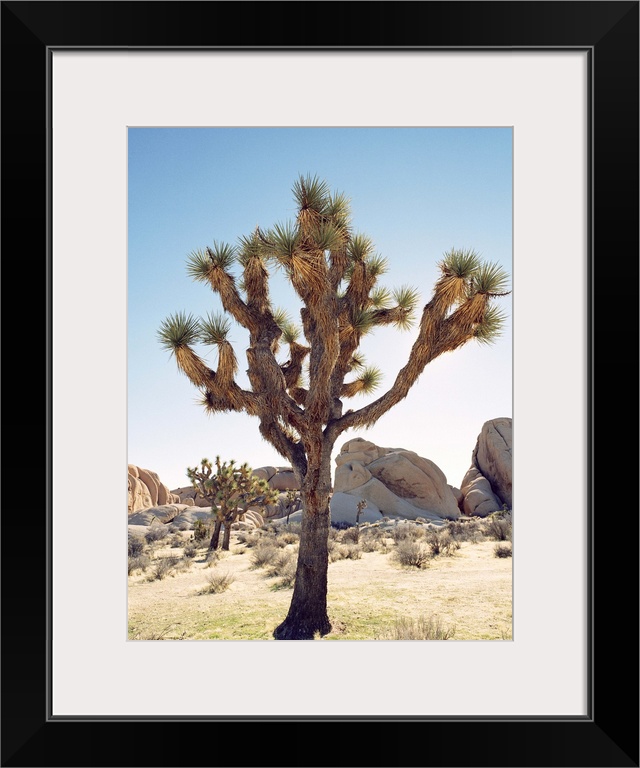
point(608, 736)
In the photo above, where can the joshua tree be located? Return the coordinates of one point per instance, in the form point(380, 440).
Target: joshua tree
point(291, 502)
point(334, 272)
point(231, 491)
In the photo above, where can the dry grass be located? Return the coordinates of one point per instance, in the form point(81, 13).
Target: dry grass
point(420, 628)
point(471, 591)
point(217, 582)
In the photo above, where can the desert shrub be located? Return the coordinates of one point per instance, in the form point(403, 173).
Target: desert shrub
point(138, 563)
point(287, 575)
point(411, 554)
point(173, 528)
point(278, 541)
point(334, 533)
point(280, 563)
point(264, 554)
point(156, 533)
point(294, 527)
point(466, 530)
point(498, 528)
point(442, 543)
point(352, 551)
point(190, 550)
point(270, 527)
point(374, 539)
point(289, 537)
point(351, 534)
point(336, 551)
point(218, 582)
point(502, 550)
point(340, 525)
point(249, 538)
point(407, 532)
point(423, 628)
point(213, 557)
point(176, 541)
point(135, 545)
point(162, 567)
point(183, 563)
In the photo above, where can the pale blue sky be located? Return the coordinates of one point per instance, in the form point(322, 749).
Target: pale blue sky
point(417, 192)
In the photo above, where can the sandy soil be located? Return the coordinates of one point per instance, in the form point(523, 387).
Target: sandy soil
point(470, 591)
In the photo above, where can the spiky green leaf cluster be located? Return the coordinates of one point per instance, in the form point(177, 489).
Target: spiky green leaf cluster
point(371, 379)
point(460, 263)
point(311, 192)
point(214, 329)
point(178, 330)
point(492, 326)
point(490, 279)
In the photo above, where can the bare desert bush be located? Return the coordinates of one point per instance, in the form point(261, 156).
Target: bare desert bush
point(374, 539)
point(217, 582)
point(138, 563)
point(288, 537)
point(190, 550)
point(503, 550)
point(350, 535)
point(293, 527)
point(412, 554)
point(337, 551)
point(176, 541)
point(287, 575)
point(264, 554)
point(163, 567)
point(135, 545)
point(156, 532)
point(334, 533)
point(498, 528)
point(423, 628)
point(407, 532)
point(466, 530)
point(442, 543)
point(280, 563)
point(352, 551)
point(213, 557)
point(248, 538)
point(279, 540)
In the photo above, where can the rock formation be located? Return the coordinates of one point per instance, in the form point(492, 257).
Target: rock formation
point(279, 478)
point(146, 490)
point(487, 484)
point(187, 495)
point(395, 481)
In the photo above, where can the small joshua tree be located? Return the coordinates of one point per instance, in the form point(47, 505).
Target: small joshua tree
point(361, 505)
point(230, 490)
point(300, 402)
point(292, 502)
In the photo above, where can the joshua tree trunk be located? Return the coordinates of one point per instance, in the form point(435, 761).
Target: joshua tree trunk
point(226, 538)
point(308, 610)
point(213, 544)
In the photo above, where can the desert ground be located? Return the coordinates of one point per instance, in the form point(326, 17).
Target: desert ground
point(465, 590)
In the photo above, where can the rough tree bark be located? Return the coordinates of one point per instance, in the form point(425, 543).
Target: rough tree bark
point(307, 614)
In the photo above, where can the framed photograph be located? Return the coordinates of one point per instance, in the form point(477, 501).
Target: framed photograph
point(561, 79)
